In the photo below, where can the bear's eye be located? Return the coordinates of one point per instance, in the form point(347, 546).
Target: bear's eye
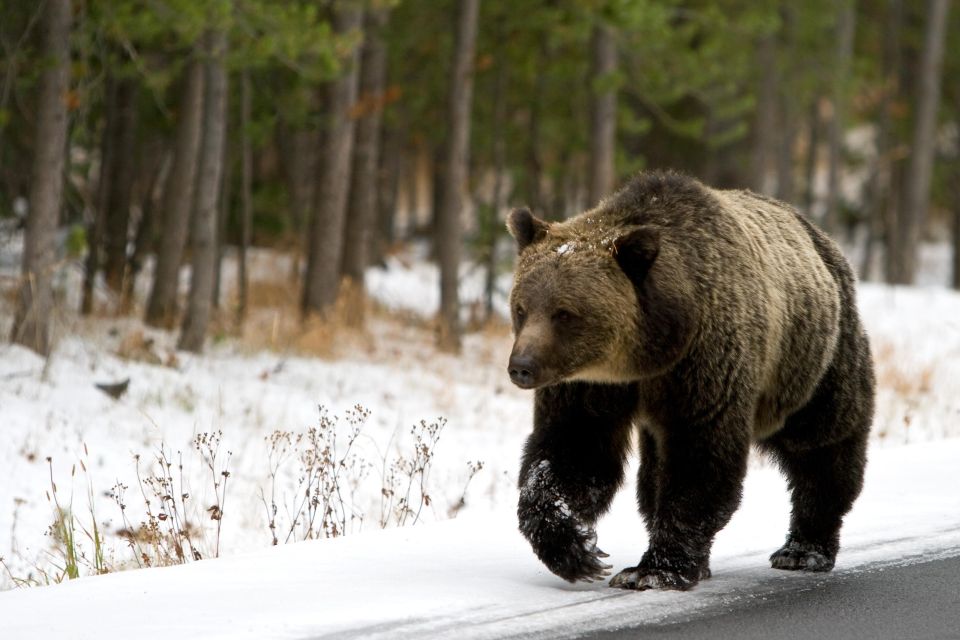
point(562, 315)
point(521, 314)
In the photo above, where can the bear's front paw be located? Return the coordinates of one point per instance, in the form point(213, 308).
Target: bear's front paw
point(567, 548)
point(800, 556)
point(573, 555)
point(559, 535)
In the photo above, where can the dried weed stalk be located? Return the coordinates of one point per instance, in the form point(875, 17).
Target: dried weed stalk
point(404, 492)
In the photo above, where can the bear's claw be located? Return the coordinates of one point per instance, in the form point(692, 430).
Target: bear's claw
point(580, 560)
point(584, 561)
point(641, 579)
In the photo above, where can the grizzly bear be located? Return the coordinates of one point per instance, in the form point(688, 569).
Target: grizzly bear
point(705, 320)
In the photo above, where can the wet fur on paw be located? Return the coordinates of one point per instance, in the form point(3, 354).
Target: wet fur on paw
point(675, 572)
point(641, 579)
point(799, 556)
point(562, 541)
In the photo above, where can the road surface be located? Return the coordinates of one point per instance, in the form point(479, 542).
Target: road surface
point(913, 601)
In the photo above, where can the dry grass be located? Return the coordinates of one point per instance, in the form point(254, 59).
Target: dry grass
point(137, 345)
point(907, 382)
point(317, 486)
point(355, 324)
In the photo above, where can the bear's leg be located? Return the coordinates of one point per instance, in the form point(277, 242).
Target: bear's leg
point(824, 482)
point(822, 451)
point(647, 477)
point(572, 467)
point(694, 485)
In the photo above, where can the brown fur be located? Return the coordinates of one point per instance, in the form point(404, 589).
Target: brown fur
point(715, 318)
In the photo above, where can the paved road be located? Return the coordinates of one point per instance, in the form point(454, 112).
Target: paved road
point(916, 602)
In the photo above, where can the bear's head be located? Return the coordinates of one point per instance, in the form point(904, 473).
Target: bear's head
point(584, 306)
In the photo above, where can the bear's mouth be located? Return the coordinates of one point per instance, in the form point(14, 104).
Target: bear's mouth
point(527, 374)
point(526, 385)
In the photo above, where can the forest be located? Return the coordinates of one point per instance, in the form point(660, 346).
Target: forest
point(141, 136)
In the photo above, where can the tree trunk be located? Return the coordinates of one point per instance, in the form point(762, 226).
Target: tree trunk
point(456, 173)
point(362, 211)
point(494, 224)
point(787, 112)
point(437, 186)
point(765, 131)
point(388, 186)
point(95, 228)
point(900, 60)
point(603, 116)
point(123, 163)
point(204, 224)
point(302, 177)
point(246, 196)
point(145, 238)
point(916, 191)
point(535, 197)
point(299, 149)
point(326, 235)
point(31, 322)
point(841, 81)
point(178, 201)
point(225, 200)
point(880, 205)
point(955, 280)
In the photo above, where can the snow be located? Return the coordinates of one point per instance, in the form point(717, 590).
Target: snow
point(473, 576)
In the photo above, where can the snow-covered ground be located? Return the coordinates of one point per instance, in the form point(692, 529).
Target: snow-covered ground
point(436, 576)
point(475, 577)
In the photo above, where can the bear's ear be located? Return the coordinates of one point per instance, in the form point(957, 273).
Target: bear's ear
point(635, 251)
point(525, 228)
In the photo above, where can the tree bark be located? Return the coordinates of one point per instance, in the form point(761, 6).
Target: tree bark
point(122, 169)
point(841, 76)
point(205, 214)
point(299, 149)
point(955, 280)
point(787, 113)
point(326, 235)
point(31, 322)
point(437, 185)
point(302, 177)
point(456, 173)
point(178, 201)
point(155, 174)
point(362, 210)
point(494, 224)
point(95, 228)
point(388, 187)
point(224, 201)
point(534, 160)
point(880, 205)
point(916, 192)
point(246, 196)
point(603, 120)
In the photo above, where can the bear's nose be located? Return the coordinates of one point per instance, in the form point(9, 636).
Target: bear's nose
point(523, 371)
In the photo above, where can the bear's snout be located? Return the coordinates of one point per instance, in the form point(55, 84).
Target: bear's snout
point(524, 371)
